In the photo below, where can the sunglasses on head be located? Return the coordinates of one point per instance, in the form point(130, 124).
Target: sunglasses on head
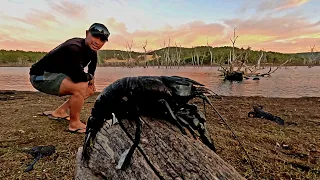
point(99, 31)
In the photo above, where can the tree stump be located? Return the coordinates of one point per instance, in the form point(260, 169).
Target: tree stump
point(171, 154)
point(234, 76)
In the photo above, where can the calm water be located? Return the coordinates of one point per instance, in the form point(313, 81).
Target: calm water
point(290, 82)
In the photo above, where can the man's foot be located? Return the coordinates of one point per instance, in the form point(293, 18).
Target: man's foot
point(67, 118)
point(56, 116)
point(80, 130)
point(77, 127)
point(45, 113)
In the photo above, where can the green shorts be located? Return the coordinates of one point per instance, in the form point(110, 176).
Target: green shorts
point(48, 82)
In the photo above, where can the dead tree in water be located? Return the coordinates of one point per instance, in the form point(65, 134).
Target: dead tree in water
point(229, 72)
point(312, 58)
point(232, 70)
point(178, 55)
point(233, 42)
point(145, 53)
point(163, 153)
point(255, 68)
point(129, 51)
point(195, 58)
point(165, 58)
point(210, 51)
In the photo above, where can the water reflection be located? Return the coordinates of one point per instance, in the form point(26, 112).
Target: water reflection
point(291, 82)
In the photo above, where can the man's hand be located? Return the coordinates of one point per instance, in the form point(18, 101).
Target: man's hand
point(91, 85)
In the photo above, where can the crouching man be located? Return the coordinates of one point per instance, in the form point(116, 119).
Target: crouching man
point(61, 72)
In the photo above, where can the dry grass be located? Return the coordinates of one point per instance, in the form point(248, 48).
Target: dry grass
point(278, 152)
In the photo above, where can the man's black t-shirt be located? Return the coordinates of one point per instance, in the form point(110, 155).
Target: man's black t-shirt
point(68, 58)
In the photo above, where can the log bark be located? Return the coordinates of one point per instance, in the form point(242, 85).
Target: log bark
point(172, 154)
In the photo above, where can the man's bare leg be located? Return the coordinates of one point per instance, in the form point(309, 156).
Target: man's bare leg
point(79, 92)
point(76, 103)
point(61, 111)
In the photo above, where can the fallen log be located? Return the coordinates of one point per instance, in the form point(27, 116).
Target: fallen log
point(259, 113)
point(163, 153)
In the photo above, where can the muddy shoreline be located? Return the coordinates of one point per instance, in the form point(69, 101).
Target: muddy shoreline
point(278, 152)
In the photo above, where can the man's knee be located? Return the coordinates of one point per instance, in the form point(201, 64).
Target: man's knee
point(81, 89)
point(78, 94)
point(90, 92)
point(69, 87)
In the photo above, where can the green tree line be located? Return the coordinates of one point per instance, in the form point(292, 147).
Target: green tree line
point(18, 57)
point(186, 55)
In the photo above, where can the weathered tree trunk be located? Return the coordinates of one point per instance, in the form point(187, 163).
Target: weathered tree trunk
point(234, 76)
point(172, 154)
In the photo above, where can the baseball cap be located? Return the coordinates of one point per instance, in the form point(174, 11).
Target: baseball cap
point(100, 30)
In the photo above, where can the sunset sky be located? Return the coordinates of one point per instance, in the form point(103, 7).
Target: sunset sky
point(271, 25)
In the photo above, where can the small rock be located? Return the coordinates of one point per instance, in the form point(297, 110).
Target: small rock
point(144, 141)
point(255, 148)
point(312, 148)
point(285, 146)
point(21, 131)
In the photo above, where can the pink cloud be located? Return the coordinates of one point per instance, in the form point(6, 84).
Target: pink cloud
point(12, 40)
point(291, 3)
point(23, 44)
point(117, 27)
point(68, 8)
point(272, 5)
point(37, 18)
point(13, 30)
point(285, 26)
point(281, 34)
point(297, 45)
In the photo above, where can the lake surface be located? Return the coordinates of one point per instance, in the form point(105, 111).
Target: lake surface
point(290, 82)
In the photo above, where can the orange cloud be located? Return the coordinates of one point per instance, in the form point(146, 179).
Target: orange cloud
point(285, 26)
point(260, 33)
point(186, 35)
point(269, 33)
point(12, 38)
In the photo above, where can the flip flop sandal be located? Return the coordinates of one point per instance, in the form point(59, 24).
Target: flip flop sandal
point(76, 131)
point(58, 118)
point(45, 113)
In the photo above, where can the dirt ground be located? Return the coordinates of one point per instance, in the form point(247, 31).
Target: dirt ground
point(277, 152)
